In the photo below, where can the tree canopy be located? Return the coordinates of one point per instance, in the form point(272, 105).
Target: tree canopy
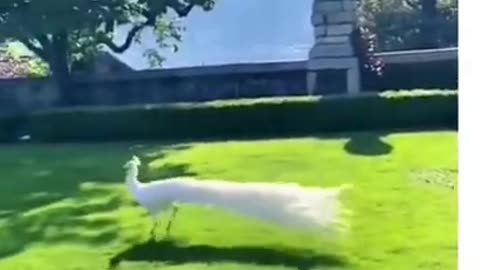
point(68, 32)
point(411, 24)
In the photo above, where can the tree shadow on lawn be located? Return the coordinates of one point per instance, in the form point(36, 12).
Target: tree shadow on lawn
point(66, 221)
point(365, 143)
point(174, 253)
point(368, 144)
point(67, 194)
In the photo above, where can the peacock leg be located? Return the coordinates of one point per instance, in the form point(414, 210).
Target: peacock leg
point(155, 224)
point(172, 217)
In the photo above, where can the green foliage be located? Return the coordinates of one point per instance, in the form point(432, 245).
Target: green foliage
point(248, 118)
point(22, 64)
point(70, 32)
point(397, 24)
point(38, 68)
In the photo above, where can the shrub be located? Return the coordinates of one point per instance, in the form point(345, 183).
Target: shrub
point(11, 125)
point(249, 118)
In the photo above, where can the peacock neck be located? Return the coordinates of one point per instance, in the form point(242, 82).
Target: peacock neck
point(131, 178)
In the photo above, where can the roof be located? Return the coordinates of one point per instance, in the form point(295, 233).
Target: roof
point(106, 62)
point(18, 67)
point(14, 67)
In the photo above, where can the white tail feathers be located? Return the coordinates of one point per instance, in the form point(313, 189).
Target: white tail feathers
point(319, 209)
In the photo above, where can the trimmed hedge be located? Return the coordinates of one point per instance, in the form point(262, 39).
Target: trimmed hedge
point(10, 126)
point(248, 118)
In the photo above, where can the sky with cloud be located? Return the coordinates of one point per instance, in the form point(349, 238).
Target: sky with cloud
point(235, 31)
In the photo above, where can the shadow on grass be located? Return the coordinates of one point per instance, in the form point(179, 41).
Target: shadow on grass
point(64, 221)
point(365, 143)
point(67, 193)
point(173, 253)
point(368, 144)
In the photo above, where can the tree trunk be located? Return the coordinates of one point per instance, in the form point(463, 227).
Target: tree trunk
point(60, 67)
point(429, 26)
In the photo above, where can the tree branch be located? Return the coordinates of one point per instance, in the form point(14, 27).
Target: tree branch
point(39, 51)
point(412, 3)
point(44, 41)
point(126, 44)
point(109, 25)
point(180, 9)
point(104, 39)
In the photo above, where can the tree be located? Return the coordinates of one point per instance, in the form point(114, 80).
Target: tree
point(411, 24)
point(429, 23)
point(68, 33)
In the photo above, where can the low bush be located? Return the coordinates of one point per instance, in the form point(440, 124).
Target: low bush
point(11, 126)
point(248, 118)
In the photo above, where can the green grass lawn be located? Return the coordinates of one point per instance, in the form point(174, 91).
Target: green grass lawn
point(66, 207)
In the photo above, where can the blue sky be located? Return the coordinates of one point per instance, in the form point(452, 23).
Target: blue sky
point(236, 31)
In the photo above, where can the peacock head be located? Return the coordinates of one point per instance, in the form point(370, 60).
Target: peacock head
point(133, 163)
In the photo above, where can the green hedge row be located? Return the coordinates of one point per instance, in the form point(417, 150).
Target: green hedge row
point(10, 125)
point(248, 118)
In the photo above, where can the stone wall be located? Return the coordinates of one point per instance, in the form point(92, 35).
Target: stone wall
point(333, 23)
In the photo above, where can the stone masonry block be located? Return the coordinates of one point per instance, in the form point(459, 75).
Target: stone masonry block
point(333, 30)
point(333, 18)
point(327, 6)
point(331, 50)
